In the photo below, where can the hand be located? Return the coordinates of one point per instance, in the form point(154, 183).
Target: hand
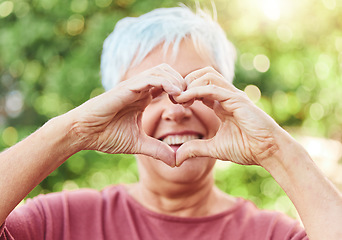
point(111, 122)
point(246, 134)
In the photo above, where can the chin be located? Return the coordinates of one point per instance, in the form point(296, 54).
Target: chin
point(190, 171)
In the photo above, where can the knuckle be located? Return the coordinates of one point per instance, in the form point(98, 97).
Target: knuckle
point(243, 97)
point(211, 75)
point(209, 68)
point(165, 66)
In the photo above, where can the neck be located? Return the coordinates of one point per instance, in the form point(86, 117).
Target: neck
point(196, 199)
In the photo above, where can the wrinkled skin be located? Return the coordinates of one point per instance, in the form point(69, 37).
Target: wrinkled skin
point(111, 122)
point(246, 134)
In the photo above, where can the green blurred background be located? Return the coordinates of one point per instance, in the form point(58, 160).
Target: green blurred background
point(289, 63)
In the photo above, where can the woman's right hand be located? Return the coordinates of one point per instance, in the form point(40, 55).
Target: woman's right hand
point(111, 122)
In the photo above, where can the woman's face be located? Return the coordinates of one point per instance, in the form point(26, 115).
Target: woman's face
point(173, 123)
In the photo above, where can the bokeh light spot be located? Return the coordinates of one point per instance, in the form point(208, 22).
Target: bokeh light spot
point(14, 103)
point(283, 204)
point(48, 104)
point(10, 136)
point(79, 6)
point(103, 3)
point(99, 180)
point(124, 3)
point(253, 92)
point(75, 25)
point(322, 70)
point(32, 71)
point(316, 111)
point(70, 185)
point(269, 187)
point(76, 164)
point(246, 61)
point(6, 8)
point(48, 4)
point(261, 63)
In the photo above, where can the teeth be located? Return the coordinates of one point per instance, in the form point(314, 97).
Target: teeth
point(179, 139)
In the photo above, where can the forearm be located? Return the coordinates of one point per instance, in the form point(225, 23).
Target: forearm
point(27, 163)
point(317, 201)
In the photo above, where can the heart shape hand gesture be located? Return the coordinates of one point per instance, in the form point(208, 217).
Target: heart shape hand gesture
point(111, 122)
point(246, 134)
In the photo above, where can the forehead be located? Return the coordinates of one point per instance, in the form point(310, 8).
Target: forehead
point(186, 60)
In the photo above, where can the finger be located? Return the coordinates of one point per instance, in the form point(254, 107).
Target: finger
point(149, 82)
point(167, 68)
point(172, 99)
point(208, 76)
point(166, 71)
point(192, 149)
point(184, 104)
point(158, 150)
point(163, 72)
point(188, 103)
point(198, 73)
point(211, 92)
point(211, 79)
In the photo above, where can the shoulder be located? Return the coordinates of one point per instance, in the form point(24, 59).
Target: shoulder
point(57, 203)
point(49, 214)
point(272, 223)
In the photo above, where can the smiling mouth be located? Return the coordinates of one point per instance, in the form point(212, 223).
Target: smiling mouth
point(177, 140)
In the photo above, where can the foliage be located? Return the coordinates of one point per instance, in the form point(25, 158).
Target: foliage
point(289, 51)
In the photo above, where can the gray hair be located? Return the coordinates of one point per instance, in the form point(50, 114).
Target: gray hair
point(133, 38)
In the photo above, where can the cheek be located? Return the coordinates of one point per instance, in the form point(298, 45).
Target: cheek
point(208, 117)
point(150, 119)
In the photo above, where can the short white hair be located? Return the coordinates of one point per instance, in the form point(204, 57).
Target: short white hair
point(134, 37)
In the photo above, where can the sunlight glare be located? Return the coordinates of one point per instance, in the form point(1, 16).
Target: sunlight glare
point(271, 9)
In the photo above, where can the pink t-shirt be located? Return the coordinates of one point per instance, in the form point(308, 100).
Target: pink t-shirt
point(114, 214)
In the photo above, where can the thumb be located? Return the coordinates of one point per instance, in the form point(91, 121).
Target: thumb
point(192, 149)
point(158, 150)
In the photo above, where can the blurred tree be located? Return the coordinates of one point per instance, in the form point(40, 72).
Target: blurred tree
point(289, 62)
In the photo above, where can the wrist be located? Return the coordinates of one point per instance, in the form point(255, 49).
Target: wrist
point(288, 156)
point(60, 133)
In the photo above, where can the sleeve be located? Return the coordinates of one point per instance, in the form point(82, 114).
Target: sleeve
point(20, 224)
point(283, 227)
point(63, 215)
point(268, 224)
point(29, 221)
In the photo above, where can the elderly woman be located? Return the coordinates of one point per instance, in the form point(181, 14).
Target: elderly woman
point(170, 101)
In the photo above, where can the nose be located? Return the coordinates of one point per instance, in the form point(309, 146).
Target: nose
point(176, 113)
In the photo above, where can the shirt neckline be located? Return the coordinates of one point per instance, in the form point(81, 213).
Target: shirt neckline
point(142, 209)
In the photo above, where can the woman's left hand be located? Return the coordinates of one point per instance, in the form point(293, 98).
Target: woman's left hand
point(246, 135)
